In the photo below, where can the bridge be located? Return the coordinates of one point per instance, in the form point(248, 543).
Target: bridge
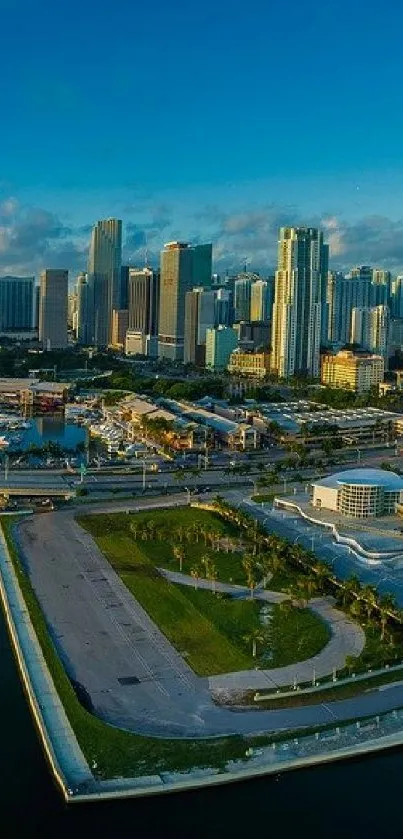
point(40, 485)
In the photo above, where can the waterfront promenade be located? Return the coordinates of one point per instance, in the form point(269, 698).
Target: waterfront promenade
point(76, 776)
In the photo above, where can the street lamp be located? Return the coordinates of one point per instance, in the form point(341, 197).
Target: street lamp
point(188, 494)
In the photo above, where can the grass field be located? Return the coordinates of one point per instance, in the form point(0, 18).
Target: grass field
point(212, 632)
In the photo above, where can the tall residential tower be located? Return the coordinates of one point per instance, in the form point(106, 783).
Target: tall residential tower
point(299, 302)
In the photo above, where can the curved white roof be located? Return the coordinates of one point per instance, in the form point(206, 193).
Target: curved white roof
point(363, 477)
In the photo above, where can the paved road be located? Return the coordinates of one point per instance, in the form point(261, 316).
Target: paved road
point(135, 679)
point(347, 639)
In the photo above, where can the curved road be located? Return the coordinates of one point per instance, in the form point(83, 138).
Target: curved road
point(135, 678)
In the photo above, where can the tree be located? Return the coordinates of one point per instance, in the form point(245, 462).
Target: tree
point(255, 637)
point(195, 573)
point(179, 554)
point(350, 662)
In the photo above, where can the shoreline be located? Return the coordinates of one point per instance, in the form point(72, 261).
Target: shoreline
point(67, 763)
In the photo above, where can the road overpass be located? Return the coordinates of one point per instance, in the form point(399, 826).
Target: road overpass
point(38, 484)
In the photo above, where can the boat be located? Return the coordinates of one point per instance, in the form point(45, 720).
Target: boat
point(4, 442)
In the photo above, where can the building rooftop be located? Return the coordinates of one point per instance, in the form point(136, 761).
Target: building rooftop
point(363, 477)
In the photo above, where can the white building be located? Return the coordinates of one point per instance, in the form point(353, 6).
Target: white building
point(359, 493)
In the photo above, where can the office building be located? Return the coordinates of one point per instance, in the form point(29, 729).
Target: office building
point(202, 268)
point(299, 302)
point(104, 278)
point(242, 297)
point(120, 325)
point(176, 280)
point(199, 316)
point(82, 325)
point(53, 309)
point(220, 342)
point(252, 364)
point(381, 287)
point(353, 371)
point(259, 301)
point(135, 342)
point(143, 299)
point(396, 302)
point(223, 307)
point(16, 303)
point(124, 287)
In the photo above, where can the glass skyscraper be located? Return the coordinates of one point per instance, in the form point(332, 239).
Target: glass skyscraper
point(104, 278)
point(16, 303)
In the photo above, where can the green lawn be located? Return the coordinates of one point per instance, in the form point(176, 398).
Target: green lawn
point(167, 522)
point(210, 631)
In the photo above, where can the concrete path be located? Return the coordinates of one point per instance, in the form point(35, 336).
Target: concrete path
point(133, 675)
point(347, 639)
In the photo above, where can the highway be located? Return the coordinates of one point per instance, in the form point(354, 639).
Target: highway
point(132, 674)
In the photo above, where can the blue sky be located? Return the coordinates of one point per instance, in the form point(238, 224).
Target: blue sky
point(216, 119)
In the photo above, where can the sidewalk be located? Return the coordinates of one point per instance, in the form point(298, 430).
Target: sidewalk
point(348, 639)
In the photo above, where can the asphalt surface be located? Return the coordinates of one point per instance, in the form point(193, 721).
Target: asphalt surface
point(108, 644)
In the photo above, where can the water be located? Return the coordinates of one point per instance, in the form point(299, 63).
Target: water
point(350, 799)
point(47, 429)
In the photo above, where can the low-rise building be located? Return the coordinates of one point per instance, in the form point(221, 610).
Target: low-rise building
point(353, 371)
point(253, 364)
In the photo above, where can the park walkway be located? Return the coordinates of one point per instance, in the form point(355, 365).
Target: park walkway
point(347, 639)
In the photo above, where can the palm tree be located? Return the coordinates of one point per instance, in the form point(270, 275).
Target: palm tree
point(369, 595)
point(254, 637)
point(213, 576)
point(205, 561)
point(195, 573)
point(351, 589)
point(179, 554)
point(386, 607)
point(350, 662)
point(134, 527)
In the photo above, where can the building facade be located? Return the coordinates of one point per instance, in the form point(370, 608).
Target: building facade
point(299, 302)
point(53, 309)
point(104, 278)
point(357, 372)
point(143, 300)
point(220, 342)
point(253, 364)
point(199, 316)
point(16, 303)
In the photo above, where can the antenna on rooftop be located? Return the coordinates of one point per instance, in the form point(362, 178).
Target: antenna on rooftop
point(145, 249)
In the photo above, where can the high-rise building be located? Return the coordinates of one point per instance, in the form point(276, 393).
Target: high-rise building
point(124, 287)
point(176, 280)
point(370, 329)
point(242, 297)
point(396, 302)
point(220, 342)
point(83, 330)
point(381, 287)
point(104, 278)
point(259, 301)
point(143, 294)
point(120, 325)
point(202, 268)
point(300, 287)
point(223, 307)
point(16, 303)
point(199, 316)
point(53, 309)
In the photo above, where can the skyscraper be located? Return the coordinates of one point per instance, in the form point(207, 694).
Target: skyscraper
point(104, 278)
point(83, 329)
point(202, 268)
point(300, 284)
point(143, 293)
point(199, 316)
point(242, 297)
point(370, 329)
point(176, 280)
point(16, 303)
point(220, 342)
point(53, 309)
point(259, 301)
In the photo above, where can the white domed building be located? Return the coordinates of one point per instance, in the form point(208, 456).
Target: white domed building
point(359, 493)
